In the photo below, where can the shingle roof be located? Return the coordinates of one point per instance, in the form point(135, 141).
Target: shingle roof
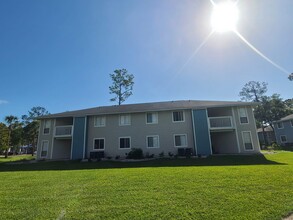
point(288, 117)
point(145, 107)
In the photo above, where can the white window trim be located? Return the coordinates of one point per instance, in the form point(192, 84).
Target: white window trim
point(239, 116)
point(244, 142)
point(146, 118)
point(281, 138)
point(45, 127)
point(99, 126)
point(152, 136)
point(129, 143)
point(182, 145)
point(178, 121)
point(120, 120)
point(43, 141)
point(102, 138)
point(281, 124)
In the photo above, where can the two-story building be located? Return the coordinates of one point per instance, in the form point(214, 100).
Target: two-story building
point(284, 130)
point(203, 127)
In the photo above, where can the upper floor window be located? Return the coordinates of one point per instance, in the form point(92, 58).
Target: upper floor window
point(99, 144)
point(125, 119)
point(280, 125)
point(100, 121)
point(246, 135)
point(152, 118)
point(180, 140)
point(47, 126)
point(178, 116)
point(243, 116)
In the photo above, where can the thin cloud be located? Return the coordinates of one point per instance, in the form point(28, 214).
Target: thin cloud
point(3, 102)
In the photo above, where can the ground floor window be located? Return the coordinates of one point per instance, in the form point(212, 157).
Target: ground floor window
point(283, 138)
point(124, 142)
point(44, 150)
point(153, 141)
point(99, 144)
point(246, 135)
point(180, 140)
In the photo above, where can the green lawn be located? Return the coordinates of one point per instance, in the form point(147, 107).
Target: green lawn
point(15, 158)
point(228, 187)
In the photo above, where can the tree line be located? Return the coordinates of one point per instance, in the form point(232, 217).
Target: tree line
point(16, 132)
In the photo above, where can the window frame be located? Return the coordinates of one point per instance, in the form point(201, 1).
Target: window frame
point(183, 115)
point(181, 146)
point(282, 127)
point(246, 115)
point(101, 138)
point(44, 141)
point(129, 143)
point(44, 126)
point(152, 136)
point(95, 120)
point(120, 124)
point(153, 113)
point(285, 138)
point(252, 149)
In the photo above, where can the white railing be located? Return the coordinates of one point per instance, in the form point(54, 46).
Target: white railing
point(224, 122)
point(63, 131)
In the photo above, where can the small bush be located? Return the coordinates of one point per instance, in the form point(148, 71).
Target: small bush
point(161, 154)
point(117, 157)
point(135, 153)
point(170, 154)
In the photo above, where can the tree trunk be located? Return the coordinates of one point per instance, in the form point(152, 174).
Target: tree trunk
point(6, 153)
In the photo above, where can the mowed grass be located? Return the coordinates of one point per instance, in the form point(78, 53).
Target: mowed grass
point(226, 187)
point(16, 158)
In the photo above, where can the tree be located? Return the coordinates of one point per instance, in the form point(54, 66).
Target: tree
point(31, 126)
point(253, 91)
point(290, 77)
point(122, 85)
point(12, 122)
point(4, 138)
point(272, 108)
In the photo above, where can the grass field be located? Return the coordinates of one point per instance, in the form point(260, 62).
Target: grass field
point(226, 187)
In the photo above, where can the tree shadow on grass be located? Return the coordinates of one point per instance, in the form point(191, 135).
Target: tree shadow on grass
point(234, 160)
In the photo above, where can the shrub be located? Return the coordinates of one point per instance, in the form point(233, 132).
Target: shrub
point(135, 153)
point(117, 157)
point(161, 154)
point(170, 154)
point(148, 155)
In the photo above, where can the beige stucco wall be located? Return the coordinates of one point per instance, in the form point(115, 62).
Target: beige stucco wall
point(138, 130)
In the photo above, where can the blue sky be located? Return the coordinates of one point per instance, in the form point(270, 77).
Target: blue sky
point(59, 54)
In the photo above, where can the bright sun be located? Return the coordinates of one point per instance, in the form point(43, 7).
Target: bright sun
point(224, 17)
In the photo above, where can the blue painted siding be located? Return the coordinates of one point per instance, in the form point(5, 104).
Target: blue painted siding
point(201, 132)
point(287, 131)
point(78, 138)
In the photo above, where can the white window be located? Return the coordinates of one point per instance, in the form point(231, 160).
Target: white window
point(180, 140)
point(280, 125)
point(178, 116)
point(283, 138)
point(47, 126)
point(124, 143)
point(247, 141)
point(243, 116)
point(152, 118)
point(153, 141)
point(100, 121)
point(44, 150)
point(124, 120)
point(99, 143)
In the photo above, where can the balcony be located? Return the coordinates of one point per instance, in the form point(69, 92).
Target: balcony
point(63, 131)
point(221, 123)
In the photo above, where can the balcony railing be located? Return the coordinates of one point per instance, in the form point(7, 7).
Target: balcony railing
point(224, 122)
point(63, 131)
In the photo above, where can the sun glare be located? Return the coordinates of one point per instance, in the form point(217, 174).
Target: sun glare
point(224, 17)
